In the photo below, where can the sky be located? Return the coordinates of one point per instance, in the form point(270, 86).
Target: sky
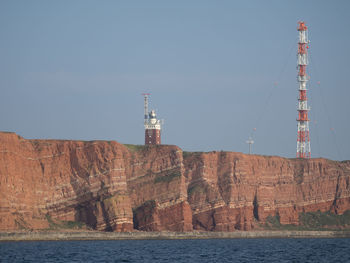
point(218, 72)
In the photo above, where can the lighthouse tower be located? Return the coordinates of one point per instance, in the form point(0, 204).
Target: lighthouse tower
point(153, 126)
point(303, 138)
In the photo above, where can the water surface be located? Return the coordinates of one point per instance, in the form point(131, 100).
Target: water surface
point(207, 250)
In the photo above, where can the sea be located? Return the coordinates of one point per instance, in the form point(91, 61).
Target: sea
point(196, 250)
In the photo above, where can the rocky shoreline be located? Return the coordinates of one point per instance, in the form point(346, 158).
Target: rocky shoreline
point(96, 235)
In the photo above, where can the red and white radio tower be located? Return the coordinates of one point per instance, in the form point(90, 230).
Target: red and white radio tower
point(303, 139)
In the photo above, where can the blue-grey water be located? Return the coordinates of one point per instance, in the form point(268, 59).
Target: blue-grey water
point(208, 250)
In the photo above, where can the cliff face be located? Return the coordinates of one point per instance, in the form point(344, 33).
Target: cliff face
point(65, 180)
point(109, 186)
point(230, 191)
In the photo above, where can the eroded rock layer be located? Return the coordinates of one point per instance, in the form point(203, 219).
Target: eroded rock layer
point(230, 191)
point(111, 187)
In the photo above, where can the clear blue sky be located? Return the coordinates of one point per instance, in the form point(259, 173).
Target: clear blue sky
point(76, 70)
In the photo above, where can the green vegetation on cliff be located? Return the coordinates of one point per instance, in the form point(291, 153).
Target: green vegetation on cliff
point(167, 178)
point(135, 147)
point(55, 224)
point(312, 221)
point(324, 219)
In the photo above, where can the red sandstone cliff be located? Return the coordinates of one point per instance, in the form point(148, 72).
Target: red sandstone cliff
point(109, 186)
point(230, 191)
point(66, 180)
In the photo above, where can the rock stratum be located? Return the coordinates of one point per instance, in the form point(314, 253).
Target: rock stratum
point(108, 186)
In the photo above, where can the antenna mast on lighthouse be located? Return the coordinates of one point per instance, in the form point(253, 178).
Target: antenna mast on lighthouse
point(145, 95)
point(303, 138)
point(153, 126)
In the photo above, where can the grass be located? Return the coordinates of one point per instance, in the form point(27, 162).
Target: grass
point(195, 189)
point(135, 147)
point(188, 154)
point(273, 221)
point(323, 219)
point(72, 225)
point(312, 221)
point(61, 224)
point(167, 178)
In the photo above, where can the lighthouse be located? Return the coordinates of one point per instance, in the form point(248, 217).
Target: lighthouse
point(153, 126)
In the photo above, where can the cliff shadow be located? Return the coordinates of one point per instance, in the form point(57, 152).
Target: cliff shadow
point(85, 212)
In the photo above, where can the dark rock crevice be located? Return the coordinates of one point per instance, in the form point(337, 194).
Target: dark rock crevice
point(256, 207)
